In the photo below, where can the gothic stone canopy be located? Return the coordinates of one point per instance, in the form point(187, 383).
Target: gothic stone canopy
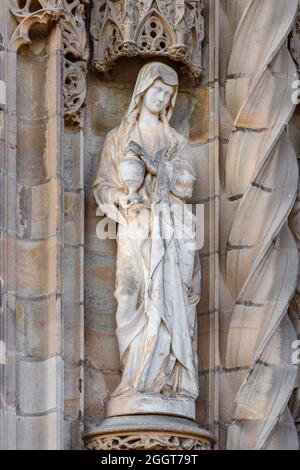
point(147, 28)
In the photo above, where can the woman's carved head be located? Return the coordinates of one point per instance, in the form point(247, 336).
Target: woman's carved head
point(158, 96)
point(156, 87)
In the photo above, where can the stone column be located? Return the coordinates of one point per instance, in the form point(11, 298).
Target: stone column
point(73, 285)
point(33, 237)
point(294, 220)
point(260, 262)
point(47, 66)
point(39, 273)
point(7, 233)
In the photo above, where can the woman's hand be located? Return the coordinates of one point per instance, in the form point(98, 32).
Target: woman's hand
point(183, 184)
point(134, 147)
point(150, 163)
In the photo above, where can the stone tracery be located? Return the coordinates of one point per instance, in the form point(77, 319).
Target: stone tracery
point(173, 29)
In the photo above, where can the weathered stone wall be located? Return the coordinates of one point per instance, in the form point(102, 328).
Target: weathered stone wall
point(59, 356)
point(73, 308)
point(3, 237)
point(49, 232)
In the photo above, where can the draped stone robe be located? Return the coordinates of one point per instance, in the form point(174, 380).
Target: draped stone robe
point(158, 274)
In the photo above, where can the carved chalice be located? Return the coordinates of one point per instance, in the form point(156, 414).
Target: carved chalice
point(132, 172)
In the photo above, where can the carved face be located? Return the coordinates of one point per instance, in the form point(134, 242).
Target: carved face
point(158, 96)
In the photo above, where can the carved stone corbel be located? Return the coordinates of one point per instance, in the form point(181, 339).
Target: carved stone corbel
point(148, 432)
point(147, 442)
point(71, 17)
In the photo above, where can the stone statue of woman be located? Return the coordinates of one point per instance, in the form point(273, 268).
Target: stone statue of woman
point(145, 176)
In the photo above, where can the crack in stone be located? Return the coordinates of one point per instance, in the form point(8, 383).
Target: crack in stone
point(260, 186)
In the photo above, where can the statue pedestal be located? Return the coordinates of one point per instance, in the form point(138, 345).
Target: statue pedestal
point(148, 432)
point(143, 403)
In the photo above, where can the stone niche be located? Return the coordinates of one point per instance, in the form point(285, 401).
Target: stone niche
point(108, 97)
point(51, 164)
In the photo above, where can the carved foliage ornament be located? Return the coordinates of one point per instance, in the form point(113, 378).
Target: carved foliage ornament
point(169, 28)
point(71, 15)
